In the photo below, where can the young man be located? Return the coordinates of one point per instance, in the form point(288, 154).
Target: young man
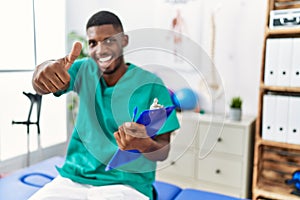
point(109, 90)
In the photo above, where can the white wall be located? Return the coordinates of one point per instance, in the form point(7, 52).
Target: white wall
point(239, 34)
point(50, 43)
point(133, 13)
point(239, 40)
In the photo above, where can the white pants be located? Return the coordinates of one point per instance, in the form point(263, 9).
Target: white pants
point(65, 189)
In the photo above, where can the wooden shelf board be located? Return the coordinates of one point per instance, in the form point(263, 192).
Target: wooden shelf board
point(284, 1)
point(275, 195)
point(285, 4)
point(278, 144)
point(280, 88)
point(275, 191)
point(283, 32)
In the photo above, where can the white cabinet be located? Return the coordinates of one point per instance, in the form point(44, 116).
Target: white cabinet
point(212, 154)
point(219, 170)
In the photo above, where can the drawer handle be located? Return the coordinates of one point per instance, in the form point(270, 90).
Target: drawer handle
point(218, 171)
point(220, 139)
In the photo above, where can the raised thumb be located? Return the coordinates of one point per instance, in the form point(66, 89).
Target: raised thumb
point(75, 52)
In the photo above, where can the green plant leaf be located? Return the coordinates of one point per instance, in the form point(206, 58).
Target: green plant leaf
point(236, 102)
point(74, 36)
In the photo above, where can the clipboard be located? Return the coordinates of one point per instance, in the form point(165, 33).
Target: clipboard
point(153, 120)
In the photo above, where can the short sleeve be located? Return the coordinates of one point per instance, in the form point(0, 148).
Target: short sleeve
point(161, 92)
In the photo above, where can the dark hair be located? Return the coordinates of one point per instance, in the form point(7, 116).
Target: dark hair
point(104, 17)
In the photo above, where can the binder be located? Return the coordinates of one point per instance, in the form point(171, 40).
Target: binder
point(284, 61)
point(284, 18)
point(268, 117)
point(271, 61)
point(281, 118)
point(293, 135)
point(295, 66)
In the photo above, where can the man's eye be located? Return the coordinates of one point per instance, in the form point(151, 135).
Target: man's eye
point(92, 43)
point(107, 41)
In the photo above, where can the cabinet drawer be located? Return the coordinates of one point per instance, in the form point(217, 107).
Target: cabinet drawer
point(221, 171)
point(230, 140)
point(178, 163)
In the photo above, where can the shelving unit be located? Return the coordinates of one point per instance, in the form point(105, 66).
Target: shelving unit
point(274, 162)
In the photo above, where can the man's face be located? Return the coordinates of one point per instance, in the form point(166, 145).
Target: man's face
point(106, 47)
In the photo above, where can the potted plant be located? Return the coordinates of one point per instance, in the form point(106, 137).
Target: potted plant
point(74, 36)
point(73, 101)
point(235, 112)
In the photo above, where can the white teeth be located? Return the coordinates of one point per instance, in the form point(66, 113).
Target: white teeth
point(104, 59)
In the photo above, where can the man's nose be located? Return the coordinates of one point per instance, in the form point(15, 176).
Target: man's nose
point(99, 47)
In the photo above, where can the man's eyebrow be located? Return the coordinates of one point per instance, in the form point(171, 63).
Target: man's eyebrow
point(108, 37)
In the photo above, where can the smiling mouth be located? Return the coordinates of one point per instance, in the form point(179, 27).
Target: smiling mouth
point(105, 59)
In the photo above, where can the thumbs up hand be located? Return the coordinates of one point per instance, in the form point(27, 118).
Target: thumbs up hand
point(52, 76)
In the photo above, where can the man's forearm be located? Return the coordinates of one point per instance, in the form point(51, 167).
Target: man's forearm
point(157, 149)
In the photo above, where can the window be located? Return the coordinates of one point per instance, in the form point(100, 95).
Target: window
point(16, 35)
point(18, 56)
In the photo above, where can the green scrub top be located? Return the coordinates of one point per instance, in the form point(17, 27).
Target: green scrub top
point(102, 110)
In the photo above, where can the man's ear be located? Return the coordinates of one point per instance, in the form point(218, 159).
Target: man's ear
point(125, 40)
